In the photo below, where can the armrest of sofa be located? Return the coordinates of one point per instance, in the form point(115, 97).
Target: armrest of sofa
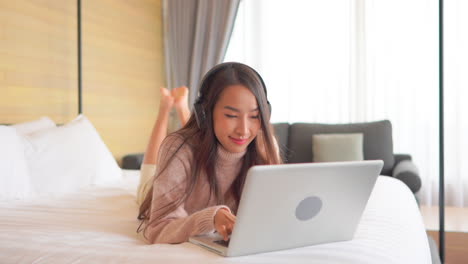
point(406, 171)
point(400, 157)
point(132, 161)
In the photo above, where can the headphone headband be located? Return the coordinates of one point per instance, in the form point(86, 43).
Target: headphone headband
point(200, 114)
point(225, 65)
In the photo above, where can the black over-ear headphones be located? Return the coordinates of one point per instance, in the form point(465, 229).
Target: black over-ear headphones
point(200, 114)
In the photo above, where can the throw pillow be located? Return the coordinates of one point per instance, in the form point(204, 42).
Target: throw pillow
point(337, 147)
point(69, 157)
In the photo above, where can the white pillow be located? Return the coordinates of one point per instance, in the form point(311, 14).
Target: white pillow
point(34, 126)
point(337, 147)
point(14, 176)
point(69, 157)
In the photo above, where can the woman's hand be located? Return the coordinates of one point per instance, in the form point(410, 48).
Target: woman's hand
point(224, 222)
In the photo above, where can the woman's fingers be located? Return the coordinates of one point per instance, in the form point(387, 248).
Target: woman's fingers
point(227, 216)
point(224, 233)
point(230, 216)
point(231, 220)
point(224, 222)
point(229, 229)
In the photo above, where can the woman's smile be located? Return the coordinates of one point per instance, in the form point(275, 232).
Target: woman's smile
point(239, 141)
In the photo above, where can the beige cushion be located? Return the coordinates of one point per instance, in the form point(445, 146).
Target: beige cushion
point(337, 147)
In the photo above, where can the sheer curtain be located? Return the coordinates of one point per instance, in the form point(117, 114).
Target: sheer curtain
point(196, 35)
point(350, 61)
point(302, 50)
point(456, 101)
point(402, 77)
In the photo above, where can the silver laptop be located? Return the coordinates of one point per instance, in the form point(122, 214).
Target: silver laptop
point(296, 205)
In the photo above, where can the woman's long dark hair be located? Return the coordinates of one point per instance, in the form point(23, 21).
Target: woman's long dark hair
point(204, 143)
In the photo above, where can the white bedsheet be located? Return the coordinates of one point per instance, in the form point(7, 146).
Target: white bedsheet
point(97, 225)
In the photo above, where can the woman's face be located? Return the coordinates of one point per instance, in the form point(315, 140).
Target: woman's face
point(236, 118)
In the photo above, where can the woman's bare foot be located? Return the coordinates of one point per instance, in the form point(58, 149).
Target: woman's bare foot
point(167, 100)
point(180, 95)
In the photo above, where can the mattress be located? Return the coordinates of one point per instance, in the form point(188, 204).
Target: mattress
point(98, 225)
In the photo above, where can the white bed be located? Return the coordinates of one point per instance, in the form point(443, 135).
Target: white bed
point(98, 224)
point(63, 200)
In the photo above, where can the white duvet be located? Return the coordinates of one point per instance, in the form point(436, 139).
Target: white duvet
point(98, 225)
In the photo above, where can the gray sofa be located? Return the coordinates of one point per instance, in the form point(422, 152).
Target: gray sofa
point(295, 141)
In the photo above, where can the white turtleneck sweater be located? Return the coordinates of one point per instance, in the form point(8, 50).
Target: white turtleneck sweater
point(196, 215)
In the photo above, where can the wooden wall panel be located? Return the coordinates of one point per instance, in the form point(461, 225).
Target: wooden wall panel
point(123, 68)
point(122, 60)
point(37, 60)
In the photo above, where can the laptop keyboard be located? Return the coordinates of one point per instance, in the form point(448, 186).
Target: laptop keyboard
point(222, 242)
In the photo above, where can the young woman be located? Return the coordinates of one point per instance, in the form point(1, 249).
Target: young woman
point(202, 167)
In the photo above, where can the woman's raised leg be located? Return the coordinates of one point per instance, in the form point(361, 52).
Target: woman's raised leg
point(160, 127)
point(180, 95)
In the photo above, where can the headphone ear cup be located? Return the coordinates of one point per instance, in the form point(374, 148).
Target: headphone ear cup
point(200, 115)
point(269, 108)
